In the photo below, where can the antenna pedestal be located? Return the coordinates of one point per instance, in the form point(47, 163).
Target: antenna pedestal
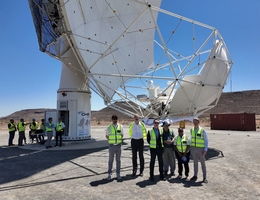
point(73, 105)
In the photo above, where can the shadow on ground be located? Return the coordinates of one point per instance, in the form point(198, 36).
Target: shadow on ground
point(18, 163)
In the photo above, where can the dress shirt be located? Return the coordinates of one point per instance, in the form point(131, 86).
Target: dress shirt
point(137, 131)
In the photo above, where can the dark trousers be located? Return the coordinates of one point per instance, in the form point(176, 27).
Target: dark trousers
point(11, 137)
point(59, 136)
point(186, 164)
point(21, 137)
point(159, 153)
point(137, 145)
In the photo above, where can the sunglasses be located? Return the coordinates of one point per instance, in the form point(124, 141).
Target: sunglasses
point(156, 122)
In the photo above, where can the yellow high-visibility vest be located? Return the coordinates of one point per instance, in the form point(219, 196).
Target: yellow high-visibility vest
point(153, 138)
point(49, 129)
point(33, 128)
point(115, 135)
point(12, 127)
point(181, 143)
point(197, 138)
point(59, 126)
point(21, 127)
point(42, 126)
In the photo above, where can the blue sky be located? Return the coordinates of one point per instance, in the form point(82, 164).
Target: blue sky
point(30, 79)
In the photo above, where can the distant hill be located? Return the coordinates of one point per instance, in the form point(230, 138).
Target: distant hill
point(238, 102)
point(229, 102)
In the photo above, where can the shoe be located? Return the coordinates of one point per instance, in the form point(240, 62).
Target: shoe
point(180, 176)
point(194, 178)
point(165, 173)
point(187, 178)
point(151, 178)
point(141, 174)
point(162, 178)
point(118, 177)
point(50, 146)
point(133, 174)
point(109, 177)
point(172, 174)
point(55, 145)
point(205, 180)
point(47, 147)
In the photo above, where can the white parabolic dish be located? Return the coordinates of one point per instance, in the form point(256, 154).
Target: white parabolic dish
point(138, 57)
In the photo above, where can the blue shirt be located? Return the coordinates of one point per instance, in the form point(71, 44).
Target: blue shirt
point(49, 126)
point(156, 132)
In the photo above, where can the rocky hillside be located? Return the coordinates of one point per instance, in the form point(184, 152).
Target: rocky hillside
point(238, 102)
point(230, 102)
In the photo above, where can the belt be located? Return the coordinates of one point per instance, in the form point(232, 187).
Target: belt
point(115, 144)
point(49, 131)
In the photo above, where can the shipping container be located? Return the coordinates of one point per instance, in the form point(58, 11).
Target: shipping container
point(233, 121)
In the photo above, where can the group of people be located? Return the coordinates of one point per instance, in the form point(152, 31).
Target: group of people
point(164, 145)
point(35, 133)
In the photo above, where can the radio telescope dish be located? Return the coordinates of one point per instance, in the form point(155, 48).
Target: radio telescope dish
point(126, 53)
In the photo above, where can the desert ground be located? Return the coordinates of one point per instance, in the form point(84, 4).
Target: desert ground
point(70, 172)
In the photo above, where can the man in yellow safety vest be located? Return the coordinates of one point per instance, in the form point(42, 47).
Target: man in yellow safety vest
point(49, 126)
point(137, 133)
point(114, 135)
point(155, 140)
point(33, 127)
point(21, 129)
point(12, 129)
point(60, 126)
point(199, 148)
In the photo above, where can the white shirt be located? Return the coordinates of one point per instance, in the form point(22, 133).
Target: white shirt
point(137, 131)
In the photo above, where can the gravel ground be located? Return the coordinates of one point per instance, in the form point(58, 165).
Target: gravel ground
point(233, 163)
